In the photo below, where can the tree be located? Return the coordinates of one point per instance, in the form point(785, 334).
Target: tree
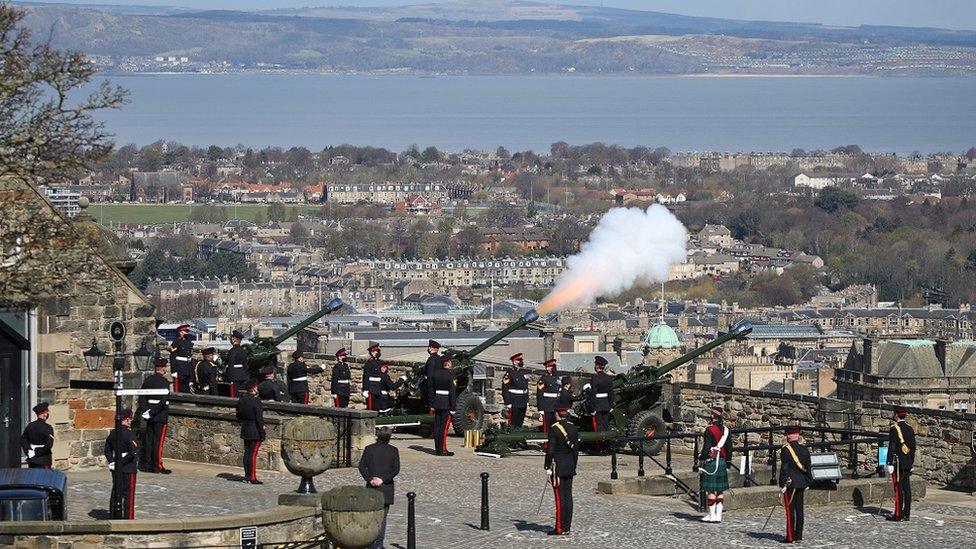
point(276, 211)
point(208, 214)
point(831, 199)
point(468, 241)
point(45, 135)
point(430, 154)
point(298, 234)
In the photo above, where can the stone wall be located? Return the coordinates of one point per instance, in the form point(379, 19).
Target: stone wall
point(944, 438)
point(205, 429)
point(279, 524)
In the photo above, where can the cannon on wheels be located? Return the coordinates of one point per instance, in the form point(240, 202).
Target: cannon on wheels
point(637, 406)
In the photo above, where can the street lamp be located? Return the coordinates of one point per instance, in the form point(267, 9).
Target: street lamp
point(143, 357)
point(94, 357)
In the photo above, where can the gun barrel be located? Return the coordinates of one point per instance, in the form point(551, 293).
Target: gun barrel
point(530, 316)
point(330, 307)
point(739, 331)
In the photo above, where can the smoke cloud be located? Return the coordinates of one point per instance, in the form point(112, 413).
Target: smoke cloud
point(629, 246)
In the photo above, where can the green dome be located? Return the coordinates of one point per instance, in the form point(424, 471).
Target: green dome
point(662, 336)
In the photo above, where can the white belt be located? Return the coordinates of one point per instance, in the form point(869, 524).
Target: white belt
point(376, 379)
point(176, 374)
point(602, 395)
point(442, 392)
point(183, 358)
point(36, 446)
point(338, 380)
point(517, 391)
point(384, 392)
point(550, 395)
point(303, 378)
point(237, 366)
point(154, 401)
point(383, 412)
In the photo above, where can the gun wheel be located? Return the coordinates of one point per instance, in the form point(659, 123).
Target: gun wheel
point(646, 423)
point(470, 413)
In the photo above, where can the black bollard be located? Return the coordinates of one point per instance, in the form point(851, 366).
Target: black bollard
point(613, 463)
point(484, 501)
point(640, 461)
point(411, 521)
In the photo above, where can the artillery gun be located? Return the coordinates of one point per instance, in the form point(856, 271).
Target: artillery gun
point(264, 350)
point(410, 406)
point(637, 406)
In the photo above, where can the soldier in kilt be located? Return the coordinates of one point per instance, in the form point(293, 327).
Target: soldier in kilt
point(716, 458)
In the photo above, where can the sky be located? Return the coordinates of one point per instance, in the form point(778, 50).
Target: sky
point(956, 14)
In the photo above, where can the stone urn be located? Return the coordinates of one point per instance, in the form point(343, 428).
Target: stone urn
point(308, 448)
point(352, 516)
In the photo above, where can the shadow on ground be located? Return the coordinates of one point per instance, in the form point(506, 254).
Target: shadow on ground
point(525, 526)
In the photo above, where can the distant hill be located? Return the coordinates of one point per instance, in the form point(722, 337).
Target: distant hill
point(494, 36)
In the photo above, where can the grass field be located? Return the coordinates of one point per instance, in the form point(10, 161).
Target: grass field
point(150, 214)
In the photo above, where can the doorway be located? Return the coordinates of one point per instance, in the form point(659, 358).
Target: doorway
point(12, 347)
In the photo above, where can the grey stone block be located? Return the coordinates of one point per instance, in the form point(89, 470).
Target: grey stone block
point(300, 500)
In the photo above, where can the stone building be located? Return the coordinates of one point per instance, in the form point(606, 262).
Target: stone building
point(60, 286)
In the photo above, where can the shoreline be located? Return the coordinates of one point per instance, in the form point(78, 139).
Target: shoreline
point(522, 75)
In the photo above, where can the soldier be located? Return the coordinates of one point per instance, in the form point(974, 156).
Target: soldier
point(566, 398)
point(443, 400)
point(546, 395)
point(269, 389)
point(180, 355)
point(341, 380)
point(433, 358)
point(716, 458)
point(250, 414)
point(561, 455)
point(37, 440)
point(236, 372)
point(901, 459)
point(384, 400)
point(125, 487)
point(515, 392)
point(379, 466)
point(600, 398)
point(298, 377)
point(205, 374)
point(794, 479)
point(154, 410)
point(371, 376)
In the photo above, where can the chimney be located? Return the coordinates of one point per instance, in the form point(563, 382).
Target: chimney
point(867, 359)
point(940, 353)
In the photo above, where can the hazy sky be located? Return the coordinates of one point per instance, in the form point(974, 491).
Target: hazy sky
point(915, 13)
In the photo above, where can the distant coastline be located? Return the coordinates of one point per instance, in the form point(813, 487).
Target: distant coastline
point(293, 72)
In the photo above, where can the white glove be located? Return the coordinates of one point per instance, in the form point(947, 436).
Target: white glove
point(549, 472)
point(145, 415)
point(783, 489)
point(366, 394)
point(31, 454)
point(509, 406)
point(890, 469)
point(111, 466)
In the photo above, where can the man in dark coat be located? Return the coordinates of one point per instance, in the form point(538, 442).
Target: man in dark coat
point(443, 400)
point(566, 397)
point(600, 398)
point(379, 466)
point(386, 388)
point(901, 460)
point(298, 377)
point(341, 380)
point(547, 394)
point(154, 411)
point(236, 373)
point(37, 440)
point(371, 376)
point(123, 472)
point(794, 479)
point(205, 374)
point(515, 392)
point(269, 389)
point(250, 414)
point(562, 452)
point(716, 458)
point(181, 356)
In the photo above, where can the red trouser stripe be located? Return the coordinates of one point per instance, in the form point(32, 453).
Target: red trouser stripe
point(369, 402)
point(596, 429)
point(176, 384)
point(305, 397)
point(789, 518)
point(511, 413)
point(447, 427)
point(159, 450)
point(559, 509)
point(545, 424)
point(335, 400)
point(131, 512)
point(233, 389)
point(254, 460)
point(897, 493)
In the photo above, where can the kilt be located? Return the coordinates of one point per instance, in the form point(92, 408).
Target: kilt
point(718, 482)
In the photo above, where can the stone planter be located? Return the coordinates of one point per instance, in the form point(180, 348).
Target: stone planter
point(352, 516)
point(308, 448)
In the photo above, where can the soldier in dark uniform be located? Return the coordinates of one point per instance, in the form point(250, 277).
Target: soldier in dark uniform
point(794, 479)
point(901, 459)
point(341, 380)
point(180, 356)
point(125, 487)
point(716, 458)
point(154, 410)
point(546, 395)
point(443, 400)
point(236, 372)
point(433, 358)
point(371, 376)
point(515, 392)
point(205, 374)
point(562, 451)
point(384, 400)
point(379, 466)
point(269, 389)
point(250, 414)
point(298, 377)
point(601, 396)
point(566, 398)
point(37, 440)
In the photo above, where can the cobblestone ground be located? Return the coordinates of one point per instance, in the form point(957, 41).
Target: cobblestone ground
point(448, 507)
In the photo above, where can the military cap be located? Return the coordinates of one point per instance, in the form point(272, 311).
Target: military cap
point(125, 414)
point(251, 384)
point(793, 430)
point(40, 408)
point(515, 357)
point(600, 361)
point(297, 355)
point(373, 346)
point(550, 362)
point(183, 327)
point(160, 363)
point(209, 351)
point(901, 411)
point(267, 370)
point(434, 344)
point(341, 352)
point(717, 412)
point(237, 334)
point(566, 380)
